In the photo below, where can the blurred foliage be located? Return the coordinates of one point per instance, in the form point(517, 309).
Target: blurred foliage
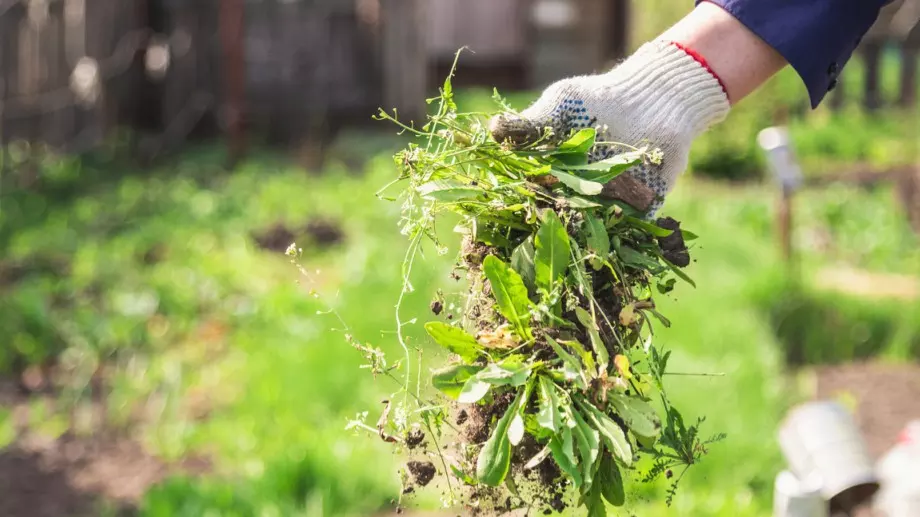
point(816, 327)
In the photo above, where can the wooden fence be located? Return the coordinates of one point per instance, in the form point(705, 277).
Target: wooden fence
point(69, 69)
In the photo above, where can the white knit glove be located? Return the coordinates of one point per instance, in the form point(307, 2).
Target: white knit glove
point(661, 97)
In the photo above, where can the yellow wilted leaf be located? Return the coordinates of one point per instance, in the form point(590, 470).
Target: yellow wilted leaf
point(628, 315)
point(498, 338)
point(622, 364)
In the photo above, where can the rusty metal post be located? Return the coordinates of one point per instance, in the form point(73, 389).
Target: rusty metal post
point(234, 71)
point(787, 173)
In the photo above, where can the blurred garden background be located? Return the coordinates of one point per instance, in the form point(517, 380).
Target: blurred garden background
point(161, 356)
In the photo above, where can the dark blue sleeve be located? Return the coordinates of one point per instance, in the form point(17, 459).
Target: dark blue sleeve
point(817, 37)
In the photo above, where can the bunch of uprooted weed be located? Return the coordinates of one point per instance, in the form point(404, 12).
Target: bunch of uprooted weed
point(551, 388)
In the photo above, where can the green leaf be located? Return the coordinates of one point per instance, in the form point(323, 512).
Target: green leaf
point(588, 446)
point(495, 457)
point(579, 143)
point(574, 370)
point(448, 191)
point(580, 203)
point(634, 258)
point(688, 235)
point(638, 415)
point(605, 170)
point(600, 349)
point(610, 431)
point(454, 339)
point(597, 239)
point(564, 456)
point(501, 376)
point(610, 481)
point(580, 185)
point(463, 476)
point(552, 249)
point(510, 294)
point(586, 358)
point(522, 260)
point(595, 502)
point(516, 429)
point(548, 415)
point(655, 230)
point(473, 391)
point(451, 380)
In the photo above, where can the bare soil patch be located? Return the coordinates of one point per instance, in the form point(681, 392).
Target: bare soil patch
point(75, 476)
point(887, 397)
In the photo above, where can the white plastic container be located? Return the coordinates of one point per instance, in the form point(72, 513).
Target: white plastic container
point(795, 498)
point(899, 473)
point(822, 444)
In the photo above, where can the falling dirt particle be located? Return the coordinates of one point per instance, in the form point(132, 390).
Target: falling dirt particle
point(669, 474)
point(422, 471)
point(408, 490)
point(450, 316)
point(462, 417)
point(437, 307)
point(415, 438)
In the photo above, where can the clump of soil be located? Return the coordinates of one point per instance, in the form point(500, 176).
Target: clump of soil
point(673, 247)
point(415, 438)
point(422, 471)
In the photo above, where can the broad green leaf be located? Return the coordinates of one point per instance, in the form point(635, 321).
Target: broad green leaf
point(579, 143)
point(594, 502)
point(552, 249)
point(610, 481)
point(448, 191)
point(497, 375)
point(454, 339)
point(548, 415)
point(588, 446)
point(600, 349)
point(606, 170)
point(610, 431)
point(653, 229)
point(587, 359)
point(495, 457)
point(561, 449)
point(510, 294)
point(473, 391)
point(580, 185)
point(573, 365)
point(638, 415)
point(580, 203)
point(516, 429)
point(522, 260)
point(597, 239)
point(634, 258)
point(451, 380)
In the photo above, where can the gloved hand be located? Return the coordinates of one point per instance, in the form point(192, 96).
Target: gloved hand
point(663, 96)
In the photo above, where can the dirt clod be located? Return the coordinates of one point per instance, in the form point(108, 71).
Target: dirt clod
point(436, 307)
point(673, 247)
point(422, 471)
point(415, 438)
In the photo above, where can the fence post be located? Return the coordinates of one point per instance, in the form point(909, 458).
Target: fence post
point(405, 58)
point(232, 34)
point(781, 162)
point(872, 53)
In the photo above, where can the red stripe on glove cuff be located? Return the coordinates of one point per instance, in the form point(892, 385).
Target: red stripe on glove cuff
point(702, 61)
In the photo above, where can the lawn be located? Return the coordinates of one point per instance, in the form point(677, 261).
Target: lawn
point(213, 346)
